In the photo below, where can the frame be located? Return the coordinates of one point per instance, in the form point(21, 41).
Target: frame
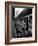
point(11, 9)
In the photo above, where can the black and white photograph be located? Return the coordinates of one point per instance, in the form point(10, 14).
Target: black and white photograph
point(21, 22)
